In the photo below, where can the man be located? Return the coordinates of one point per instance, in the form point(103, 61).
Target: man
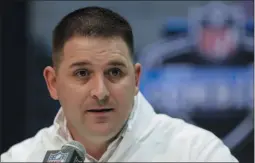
point(96, 82)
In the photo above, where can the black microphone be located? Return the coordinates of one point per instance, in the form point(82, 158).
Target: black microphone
point(70, 152)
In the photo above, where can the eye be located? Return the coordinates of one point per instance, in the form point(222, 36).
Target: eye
point(115, 72)
point(82, 73)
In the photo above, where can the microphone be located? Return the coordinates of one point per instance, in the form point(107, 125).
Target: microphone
point(70, 152)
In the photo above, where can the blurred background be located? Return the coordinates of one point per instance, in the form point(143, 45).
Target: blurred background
point(197, 57)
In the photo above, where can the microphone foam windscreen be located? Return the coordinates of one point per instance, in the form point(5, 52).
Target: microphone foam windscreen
point(74, 145)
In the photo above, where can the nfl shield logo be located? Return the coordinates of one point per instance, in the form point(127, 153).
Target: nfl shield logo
point(58, 157)
point(217, 44)
point(216, 29)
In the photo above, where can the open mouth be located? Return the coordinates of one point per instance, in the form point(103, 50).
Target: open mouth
point(101, 110)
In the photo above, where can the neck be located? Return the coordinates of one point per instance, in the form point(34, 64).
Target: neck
point(94, 149)
point(94, 146)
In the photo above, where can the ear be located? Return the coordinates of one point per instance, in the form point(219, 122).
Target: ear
point(50, 78)
point(138, 70)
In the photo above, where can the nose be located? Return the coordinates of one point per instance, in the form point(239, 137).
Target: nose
point(99, 90)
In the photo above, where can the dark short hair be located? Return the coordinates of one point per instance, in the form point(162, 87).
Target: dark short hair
point(90, 22)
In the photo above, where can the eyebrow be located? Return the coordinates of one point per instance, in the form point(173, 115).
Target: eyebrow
point(79, 64)
point(117, 63)
point(85, 63)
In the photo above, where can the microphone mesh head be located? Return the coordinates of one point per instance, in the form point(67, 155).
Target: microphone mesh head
point(74, 145)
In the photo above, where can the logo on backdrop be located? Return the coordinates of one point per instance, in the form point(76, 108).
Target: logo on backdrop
point(216, 29)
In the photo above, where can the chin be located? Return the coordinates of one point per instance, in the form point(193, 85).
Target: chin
point(102, 128)
point(104, 131)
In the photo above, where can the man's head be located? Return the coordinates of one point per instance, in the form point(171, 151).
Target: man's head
point(93, 70)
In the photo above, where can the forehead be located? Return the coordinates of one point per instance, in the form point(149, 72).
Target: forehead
point(92, 48)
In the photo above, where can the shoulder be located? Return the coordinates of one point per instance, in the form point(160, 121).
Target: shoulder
point(191, 142)
point(22, 151)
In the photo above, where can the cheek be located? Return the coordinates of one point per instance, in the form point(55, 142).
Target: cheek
point(71, 98)
point(124, 93)
point(70, 95)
